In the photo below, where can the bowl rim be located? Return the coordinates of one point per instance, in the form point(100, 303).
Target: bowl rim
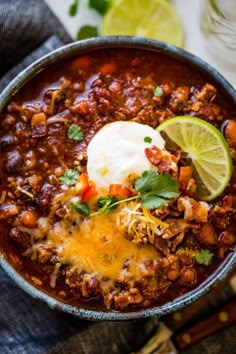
point(79, 48)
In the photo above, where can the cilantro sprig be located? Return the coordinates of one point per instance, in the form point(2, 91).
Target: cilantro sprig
point(204, 257)
point(147, 139)
point(158, 92)
point(69, 177)
point(75, 133)
point(154, 191)
point(106, 204)
point(101, 6)
point(73, 8)
point(87, 31)
point(81, 208)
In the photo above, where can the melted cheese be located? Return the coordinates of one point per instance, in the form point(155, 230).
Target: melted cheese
point(95, 245)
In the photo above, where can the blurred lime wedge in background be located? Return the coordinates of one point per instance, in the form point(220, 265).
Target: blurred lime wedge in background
point(156, 19)
point(205, 148)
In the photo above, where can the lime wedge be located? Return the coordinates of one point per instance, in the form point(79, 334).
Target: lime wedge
point(205, 147)
point(156, 19)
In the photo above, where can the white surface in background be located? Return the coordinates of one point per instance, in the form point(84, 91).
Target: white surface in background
point(189, 12)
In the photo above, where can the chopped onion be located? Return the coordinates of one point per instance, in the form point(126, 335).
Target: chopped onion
point(53, 276)
point(3, 197)
point(25, 192)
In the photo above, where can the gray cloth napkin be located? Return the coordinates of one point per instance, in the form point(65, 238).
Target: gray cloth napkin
point(29, 30)
point(24, 25)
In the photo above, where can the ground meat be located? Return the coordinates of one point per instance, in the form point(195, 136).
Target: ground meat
point(205, 94)
point(179, 99)
point(35, 183)
point(127, 298)
point(44, 253)
point(187, 277)
point(206, 235)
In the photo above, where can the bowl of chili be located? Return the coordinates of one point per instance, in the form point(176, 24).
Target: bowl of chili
point(111, 255)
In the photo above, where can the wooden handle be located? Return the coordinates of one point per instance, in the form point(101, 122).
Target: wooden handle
point(219, 319)
point(179, 319)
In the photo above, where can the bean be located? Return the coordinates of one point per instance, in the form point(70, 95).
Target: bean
point(29, 218)
point(230, 133)
point(14, 161)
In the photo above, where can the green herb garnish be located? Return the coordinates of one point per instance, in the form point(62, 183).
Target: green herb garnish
point(73, 8)
point(87, 31)
point(69, 177)
point(101, 6)
point(191, 189)
point(154, 191)
point(81, 208)
point(147, 139)
point(158, 92)
point(75, 133)
point(106, 204)
point(204, 257)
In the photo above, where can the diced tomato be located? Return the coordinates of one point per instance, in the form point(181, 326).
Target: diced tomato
point(89, 192)
point(38, 118)
point(83, 62)
point(119, 191)
point(191, 187)
point(108, 68)
point(185, 174)
point(82, 183)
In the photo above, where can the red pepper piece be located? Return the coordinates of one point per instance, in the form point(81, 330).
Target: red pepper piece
point(119, 191)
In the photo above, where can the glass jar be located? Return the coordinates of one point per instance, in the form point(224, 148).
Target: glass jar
point(219, 28)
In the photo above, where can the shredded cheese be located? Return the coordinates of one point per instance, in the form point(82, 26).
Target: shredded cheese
point(138, 222)
point(154, 219)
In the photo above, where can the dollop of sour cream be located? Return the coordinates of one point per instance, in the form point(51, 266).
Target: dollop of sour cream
point(116, 152)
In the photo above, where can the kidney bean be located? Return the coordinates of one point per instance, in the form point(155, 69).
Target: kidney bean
point(14, 161)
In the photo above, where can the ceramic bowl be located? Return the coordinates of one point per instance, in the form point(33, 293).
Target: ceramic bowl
point(122, 42)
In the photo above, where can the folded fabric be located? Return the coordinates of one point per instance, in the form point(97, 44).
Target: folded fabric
point(51, 43)
point(24, 25)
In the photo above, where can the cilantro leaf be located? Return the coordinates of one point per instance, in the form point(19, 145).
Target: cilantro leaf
point(156, 190)
point(81, 208)
point(73, 8)
point(147, 139)
point(167, 186)
point(106, 204)
point(107, 201)
point(153, 189)
point(147, 182)
point(204, 257)
point(152, 201)
point(158, 92)
point(101, 6)
point(75, 133)
point(87, 31)
point(69, 177)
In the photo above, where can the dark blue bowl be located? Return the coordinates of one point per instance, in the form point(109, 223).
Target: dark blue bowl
point(123, 42)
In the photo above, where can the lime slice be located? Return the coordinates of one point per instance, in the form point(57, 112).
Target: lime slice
point(206, 148)
point(155, 19)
